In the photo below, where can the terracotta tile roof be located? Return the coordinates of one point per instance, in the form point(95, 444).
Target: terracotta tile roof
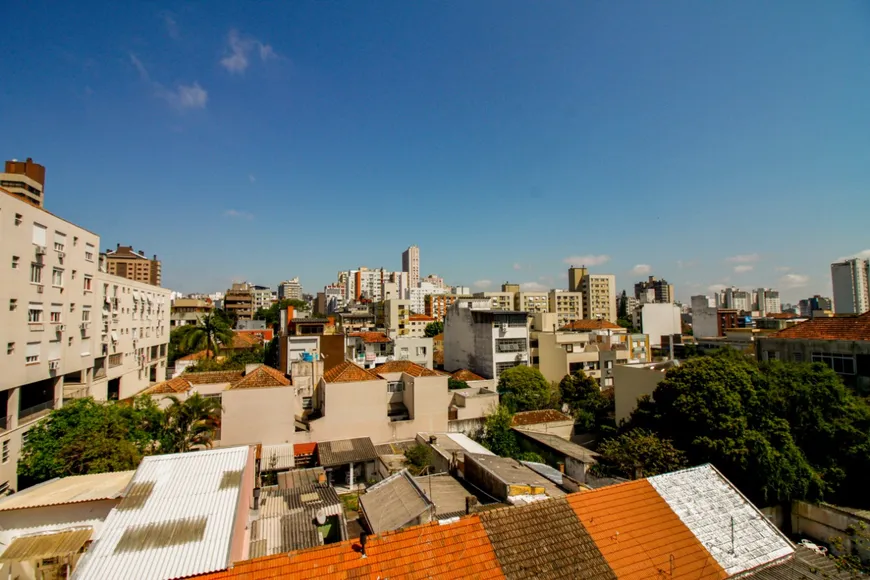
point(590, 324)
point(637, 533)
point(214, 377)
point(246, 340)
point(438, 357)
point(459, 550)
point(466, 375)
point(348, 372)
point(783, 315)
point(438, 337)
point(174, 386)
point(196, 356)
point(406, 366)
point(263, 376)
point(421, 318)
point(542, 416)
point(372, 337)
point(837, 328)
point(564, 547)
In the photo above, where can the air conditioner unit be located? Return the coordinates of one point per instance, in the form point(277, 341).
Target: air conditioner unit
point(60, 327)
point(40, 250)
point(61, 255)
point(40, 289)
point(53, 365)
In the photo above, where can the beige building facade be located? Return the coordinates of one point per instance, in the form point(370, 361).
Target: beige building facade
point(25, 180)
point(600, 297)
point(126, 262)
point(567, 306)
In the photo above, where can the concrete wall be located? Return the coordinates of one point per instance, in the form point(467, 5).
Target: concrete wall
point(473, 405)
point(563, 429)
point(705, 317)
point(241, 538)
point(631, 382)
point(660, 319)
point(485, 480)
point(822, 523)
point(263, 415)
point(415, 349)
point(576, 469)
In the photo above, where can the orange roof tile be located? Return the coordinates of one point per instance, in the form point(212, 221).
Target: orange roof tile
point(438, 337)
point(213, 377)
point(837, 328)
point(406, 366)
point(177, 385)
point(542, 416)
point(348, 372)
point(246, 340)
point(421, 318)
point(263, 376)
point(372, 337)
point(638, 533)
point(590, 324)
point(197, 355)
point(466, 375)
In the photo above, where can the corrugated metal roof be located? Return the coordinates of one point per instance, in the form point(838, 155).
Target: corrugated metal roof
point(301, 477)
point(735, 533)
point(344, 451)
point(287, 518)
point(560, 445)
point(73, 489)
point(46, 545)
point(182, 526)
point(469, 444)
point(394, 503)
point(277, 457)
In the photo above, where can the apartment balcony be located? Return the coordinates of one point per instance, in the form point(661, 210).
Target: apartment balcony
point(35, 412)
point(5, 423)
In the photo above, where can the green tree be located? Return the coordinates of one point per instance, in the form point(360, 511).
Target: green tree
point(622, 309)
point(592, 409)
point(210, 331)
point(272, 354)
point(434, 329)
point(638, 453)
point(85, 436)
point(192, 423)
point(455, 384)
point(237, 361)
point(497, 434)
point(524, 388)
point(419, 458)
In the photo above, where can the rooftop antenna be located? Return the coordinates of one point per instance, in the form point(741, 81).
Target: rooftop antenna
point(732, 534)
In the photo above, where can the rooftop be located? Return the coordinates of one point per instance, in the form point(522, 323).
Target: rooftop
point(287, 519)
point(837, 328)
point(447, 443)
point(74, 489)
point(262, 376)
point(542, 416)
point(630, 530)
point(421, 318)
point(348, 372)
point(587, 324)
point(179, 384)
point(301, 478)
point(371, 337)
point(562, 446)
point(512, 472)
point(466, 375)
point(344, 451)
point(175, 520)
point(393, 503)
point(246, 340)
point(406, 366)
point(445, 492)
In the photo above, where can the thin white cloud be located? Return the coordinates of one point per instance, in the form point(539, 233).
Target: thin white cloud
point(518, 266)
point(794, 281)
point(239, 49)
point(182, 97)
point(743, 258)
point(170, 24)
point(252, 178)
point(236, 214)
point(533, 287)
point(783, 268)
point(863, 254)
point(587, 260)
point(685, 265)
point(716, 287)
point(482, 284)
point(743, 268)
point(641, 269)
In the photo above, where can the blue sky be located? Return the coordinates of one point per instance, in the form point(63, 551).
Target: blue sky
point(709, 143)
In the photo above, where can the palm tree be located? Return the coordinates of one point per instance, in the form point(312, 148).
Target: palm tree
point(209, 331)
point(192, 423)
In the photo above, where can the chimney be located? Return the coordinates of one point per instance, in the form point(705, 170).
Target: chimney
point(433, 439)
point(470, 503)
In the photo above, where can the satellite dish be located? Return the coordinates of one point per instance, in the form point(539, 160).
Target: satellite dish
point(321, 517)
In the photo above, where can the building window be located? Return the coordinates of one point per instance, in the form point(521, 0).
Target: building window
point(86, 314)
point(510, 345)
point(841, 364)
point(6, 451)
point(421, 351)
point(36, 273)
point(34, 313)
point(18, 218)
point(503, 366)
point(56, 277)
point(306, 403)
point(569, 347)
point(797, 357)
point(10, 348)
point(89, 283)
point(32, 354)
point(54, 316)
point(15, 262)
point(395, 387)
point(73, 274)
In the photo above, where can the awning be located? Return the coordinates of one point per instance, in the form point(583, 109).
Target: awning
point(48, 545)
point(114, 336)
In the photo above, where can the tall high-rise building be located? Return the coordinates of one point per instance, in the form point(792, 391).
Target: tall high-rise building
point(664, 292)
point(768, 301)
point(508, 287)
point(290, 290)
point(25, 180)
point(575, 278)
point(736, 299)
point(411, 265)
point(125, 262)
point(851, 279)
point(599, 294)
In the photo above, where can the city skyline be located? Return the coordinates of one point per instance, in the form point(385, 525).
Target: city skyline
point(495, 126)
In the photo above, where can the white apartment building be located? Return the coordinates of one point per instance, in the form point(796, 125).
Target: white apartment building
point(657, 320)
point(290, 290)
point(705, 317)
point(261, 297)
point(532, 302)
point(599, 297)
point(53, 323)
point(460, 290)
point(567, 306)
point(736, 299)
point(767, 301)
point(417, 296)
point(483, 340)
point(851, 281)
point(411, 265)
point(498, 300)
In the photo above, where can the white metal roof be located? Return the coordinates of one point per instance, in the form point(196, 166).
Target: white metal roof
point(78, 488)
point(469, 444)
point(738, 536)
point(176, 519)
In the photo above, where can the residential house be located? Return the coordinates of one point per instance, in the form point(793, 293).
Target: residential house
point(348, 463)
point(559, 452)
point(484, 341)
point(470, 407)
point(508, 480)
point(396, 502)
point(356, 320)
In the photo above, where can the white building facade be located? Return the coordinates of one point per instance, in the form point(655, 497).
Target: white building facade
point(851, 283)
point(485, 341)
